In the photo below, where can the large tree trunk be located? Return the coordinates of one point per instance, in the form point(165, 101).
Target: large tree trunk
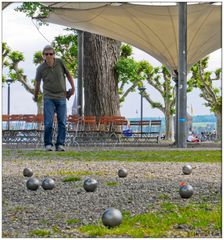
point(169, 126)
point(100, 81)
point(218, 125)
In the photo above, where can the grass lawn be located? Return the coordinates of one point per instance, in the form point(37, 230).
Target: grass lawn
point(209, 156)
point(172, 220)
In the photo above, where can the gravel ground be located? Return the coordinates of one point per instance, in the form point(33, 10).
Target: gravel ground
point(146, 184)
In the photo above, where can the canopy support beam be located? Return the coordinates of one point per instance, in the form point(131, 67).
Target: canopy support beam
point(182, 78)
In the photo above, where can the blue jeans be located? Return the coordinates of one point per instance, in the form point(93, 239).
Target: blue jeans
point(52, 106)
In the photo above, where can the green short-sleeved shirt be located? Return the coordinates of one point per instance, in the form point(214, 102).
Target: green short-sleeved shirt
point(54, 85)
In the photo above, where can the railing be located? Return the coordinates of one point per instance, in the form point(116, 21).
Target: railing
point(29, 129)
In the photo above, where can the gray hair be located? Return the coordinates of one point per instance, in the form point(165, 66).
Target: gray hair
point(48, 47)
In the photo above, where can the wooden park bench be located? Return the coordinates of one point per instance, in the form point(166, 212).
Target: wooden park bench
point(143, 131)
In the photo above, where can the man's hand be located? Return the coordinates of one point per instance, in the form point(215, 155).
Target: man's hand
point(69, 93)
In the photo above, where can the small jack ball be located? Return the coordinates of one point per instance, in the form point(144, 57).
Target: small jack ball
point(122, 172)
point(48, 184)
point(111, 217)
point(27, 172)
point(187, 169)
point(33, 184)
point(90, 185)
point(186, 191)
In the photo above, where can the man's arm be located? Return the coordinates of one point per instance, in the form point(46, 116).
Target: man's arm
point(71, 81)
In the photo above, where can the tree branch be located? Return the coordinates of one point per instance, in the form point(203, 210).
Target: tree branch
point(156, 86)
point(152, 103)
point(206, 88)
point(135, 83)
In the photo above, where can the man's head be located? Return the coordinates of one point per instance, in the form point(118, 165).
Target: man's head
point(48, 52)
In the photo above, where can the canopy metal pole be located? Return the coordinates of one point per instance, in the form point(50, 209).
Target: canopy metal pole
point(175, 79)
point(80, 72)
point(182, 77)
point(141, 89)
point(9, 81)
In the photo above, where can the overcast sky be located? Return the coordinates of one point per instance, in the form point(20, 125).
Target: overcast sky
point(21, 34)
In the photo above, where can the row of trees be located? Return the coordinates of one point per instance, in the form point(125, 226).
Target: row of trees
point(111, 73)
point(141, 73)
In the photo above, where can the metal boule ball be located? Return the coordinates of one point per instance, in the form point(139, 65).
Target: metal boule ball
point(187, 169)
point(33, 184)
point(111, 217)
point(48, 184)
point(186, 191)
point(27, 172)
point(90, 185)
point(122, 172)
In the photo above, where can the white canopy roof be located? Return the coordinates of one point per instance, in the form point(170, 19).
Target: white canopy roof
point(154, 29)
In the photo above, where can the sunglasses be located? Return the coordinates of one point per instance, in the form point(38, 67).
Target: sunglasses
point(46, 54)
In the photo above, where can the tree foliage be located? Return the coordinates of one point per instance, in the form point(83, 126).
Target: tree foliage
point(66, 47)
point(35, 10)
point(133, 74)
point(204, 80)
point(12, 70)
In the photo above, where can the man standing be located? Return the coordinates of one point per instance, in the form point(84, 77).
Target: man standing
point(53, 72)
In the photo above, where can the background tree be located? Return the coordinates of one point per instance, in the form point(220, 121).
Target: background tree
point(10, 64)
point(5, 62)
point(128, 71)
point(204, 80)
point(133, 74)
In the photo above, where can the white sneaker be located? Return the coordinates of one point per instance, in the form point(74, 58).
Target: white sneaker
point(60, 148)
point(48, 148)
